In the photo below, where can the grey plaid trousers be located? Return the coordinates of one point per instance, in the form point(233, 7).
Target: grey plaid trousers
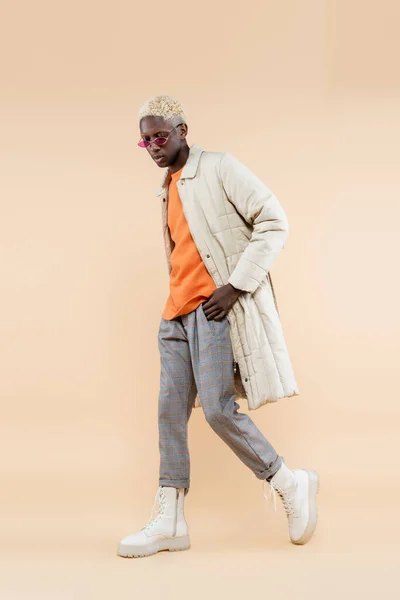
point(196, 355)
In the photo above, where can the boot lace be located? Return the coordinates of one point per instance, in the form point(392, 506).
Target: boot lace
point(284, 494)
point(155, 515)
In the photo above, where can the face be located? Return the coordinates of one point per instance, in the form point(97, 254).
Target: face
point(167, 154)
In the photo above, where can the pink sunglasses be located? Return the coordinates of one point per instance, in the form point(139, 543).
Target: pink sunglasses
point(160, 141)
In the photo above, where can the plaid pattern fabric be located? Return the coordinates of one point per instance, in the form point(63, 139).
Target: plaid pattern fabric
point(196, 355)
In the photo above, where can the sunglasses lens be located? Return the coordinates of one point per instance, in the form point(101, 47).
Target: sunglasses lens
point(158, 141)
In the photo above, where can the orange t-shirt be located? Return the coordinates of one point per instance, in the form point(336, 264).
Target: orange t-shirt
point(190, 283)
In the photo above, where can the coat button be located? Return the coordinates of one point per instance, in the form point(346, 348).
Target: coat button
point(208, 256)
point(246, 379)
point(163, 199)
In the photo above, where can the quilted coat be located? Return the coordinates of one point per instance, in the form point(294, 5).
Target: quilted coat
point(239, 228)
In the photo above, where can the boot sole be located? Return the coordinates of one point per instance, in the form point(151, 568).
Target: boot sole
point(313, 489)
point(172, 544)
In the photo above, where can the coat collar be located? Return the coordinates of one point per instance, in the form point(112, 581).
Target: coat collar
point(189, 169)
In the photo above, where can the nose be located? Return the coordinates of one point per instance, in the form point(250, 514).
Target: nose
point(156, 150)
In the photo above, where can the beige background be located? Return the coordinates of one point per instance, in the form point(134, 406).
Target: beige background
point(306, 93)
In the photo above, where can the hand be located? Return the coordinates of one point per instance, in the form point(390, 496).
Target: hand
point(220, 302)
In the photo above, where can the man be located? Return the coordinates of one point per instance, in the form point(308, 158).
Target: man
point(220, 337)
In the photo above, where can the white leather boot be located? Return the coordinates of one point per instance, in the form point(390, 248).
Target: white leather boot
point(167, 530)
point(298, 490)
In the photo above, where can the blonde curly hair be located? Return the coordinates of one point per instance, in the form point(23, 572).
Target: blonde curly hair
point(163, 106)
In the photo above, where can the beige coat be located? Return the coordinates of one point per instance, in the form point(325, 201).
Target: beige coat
point(239, 228)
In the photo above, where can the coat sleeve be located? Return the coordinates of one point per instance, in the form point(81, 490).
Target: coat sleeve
point(255, 202)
